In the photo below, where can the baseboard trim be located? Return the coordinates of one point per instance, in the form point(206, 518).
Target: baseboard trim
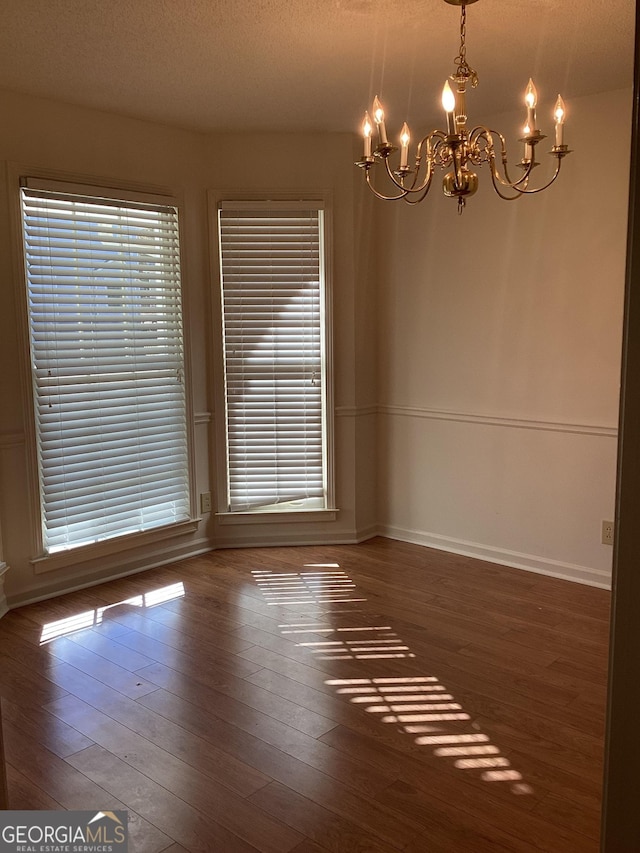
point(366, 533)
point(503, 557)
point(513, 559)
point(201, 546)
point(276, 540)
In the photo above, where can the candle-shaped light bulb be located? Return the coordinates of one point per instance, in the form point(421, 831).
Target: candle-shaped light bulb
point(559, 114)
point(449, 104)
point(367, 129)
point(405, 136)
point(378, 117)
point(448, 98)
point(378, 112)
point(531, 95)
point(531, 99)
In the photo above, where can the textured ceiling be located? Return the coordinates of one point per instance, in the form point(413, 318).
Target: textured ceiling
point(306, 64)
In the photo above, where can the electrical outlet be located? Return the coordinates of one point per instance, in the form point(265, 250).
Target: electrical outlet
point(607, 532)
point(205, 502)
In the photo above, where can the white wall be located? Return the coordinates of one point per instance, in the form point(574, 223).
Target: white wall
point(476, 357)
point(499, 358)
point(53, 136)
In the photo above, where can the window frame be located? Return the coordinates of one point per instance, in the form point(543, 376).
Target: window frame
point(89, 186)
point(270, 515)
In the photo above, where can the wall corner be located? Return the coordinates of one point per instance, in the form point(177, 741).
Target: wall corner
point(4, 607)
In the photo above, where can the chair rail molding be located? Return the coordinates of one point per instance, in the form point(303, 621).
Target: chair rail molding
point(492, 420)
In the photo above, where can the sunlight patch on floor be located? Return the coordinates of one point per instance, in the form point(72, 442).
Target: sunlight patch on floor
point(419, 706)
point(92, 618)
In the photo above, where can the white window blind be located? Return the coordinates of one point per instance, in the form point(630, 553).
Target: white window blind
point(272, 270)
point(103, 280)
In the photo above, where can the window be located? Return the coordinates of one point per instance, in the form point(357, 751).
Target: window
point(272, 259)
point(106, 345)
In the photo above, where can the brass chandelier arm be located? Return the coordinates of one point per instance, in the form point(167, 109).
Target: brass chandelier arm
point(549, 182)
point(429, 166)
point(400, 183)
point(495, 180)
point(522, 190)
point(380, 195)
point(427, 187)
point(482, 132)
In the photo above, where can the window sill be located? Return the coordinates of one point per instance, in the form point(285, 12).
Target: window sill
point(95, 550)
point(260, 517)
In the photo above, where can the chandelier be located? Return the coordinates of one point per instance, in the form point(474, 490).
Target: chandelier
point(459, 149)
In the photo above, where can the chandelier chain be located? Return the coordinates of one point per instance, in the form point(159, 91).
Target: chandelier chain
point(461, 58)
point(462, 66)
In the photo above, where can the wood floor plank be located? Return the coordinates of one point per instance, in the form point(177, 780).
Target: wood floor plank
point(308, 846)
point(229, 601)
point(26, 795)
point(354, 720)
point(196, 621)
point(112, 651)
point(24, 644)
point(583, 789)
point(371, 817)
point(499, 823)
point(16, 626)
point(443, 835)
point(174, 738)
point(177, 776)
point(267, 759)
point(562, 811)
point(22, 686)
point(254, 708)
point(160, 652)
point(490, 683)
point(169, 628)
point(550, 639)
point(318, 824)
point(490, 675)
point(437, 774)
point(592, 671)
point(568, 748)
point(197, 610)
point(288, 742)
point(592, 703)
point(382, 696)
point(502, 652)
point(65, 606)
point(109, 673)
point(73, 790)
point(328, 704)
point(45, 728)
point(284, 709)
point(172, 815)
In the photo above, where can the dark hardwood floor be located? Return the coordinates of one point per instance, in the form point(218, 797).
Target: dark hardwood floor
point(376, 698)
